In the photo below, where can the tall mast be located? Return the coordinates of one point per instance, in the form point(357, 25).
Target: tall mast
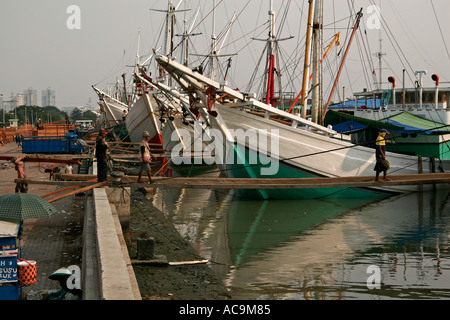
point(270, 94)
point(380, 55)
point(138, 57)
point(271, 47)
point(170, 21)
point(170, 24)
point(380, 68)
point(317, 66)
point(271, 41)
point(185, 43)
point(306, 67)
point(213, 56)
point(185, 38)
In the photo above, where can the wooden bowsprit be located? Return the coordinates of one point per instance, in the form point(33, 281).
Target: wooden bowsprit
point(260, 183)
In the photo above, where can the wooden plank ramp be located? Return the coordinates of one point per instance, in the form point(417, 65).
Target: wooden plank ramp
point(260, 183)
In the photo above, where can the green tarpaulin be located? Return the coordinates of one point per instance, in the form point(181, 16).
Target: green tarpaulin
point(402, 123)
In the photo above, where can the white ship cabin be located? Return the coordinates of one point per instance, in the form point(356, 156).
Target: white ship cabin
point(380, 104)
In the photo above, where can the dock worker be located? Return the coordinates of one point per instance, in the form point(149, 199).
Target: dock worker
point(101, 146)
point(382, 165)
point(19, 165)
point(145, 157)
point(69, 169)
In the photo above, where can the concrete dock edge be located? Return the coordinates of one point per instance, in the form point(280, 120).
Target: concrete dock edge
point(89, 270)
point(107, 272)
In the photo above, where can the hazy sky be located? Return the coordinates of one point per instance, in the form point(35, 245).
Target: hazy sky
point(43, 45)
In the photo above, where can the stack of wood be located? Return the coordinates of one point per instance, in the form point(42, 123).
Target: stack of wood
point(53, 129)
point(8, 134)
point(59, 128)
point(3, 139)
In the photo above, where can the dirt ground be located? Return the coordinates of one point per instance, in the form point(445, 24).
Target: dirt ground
point(156, 282)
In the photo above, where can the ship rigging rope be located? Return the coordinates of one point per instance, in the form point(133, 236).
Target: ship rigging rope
point(327, 151)
point(333, 149)
point(440, 30)
point(395, 44)
point(222, 34)
point(367, 55)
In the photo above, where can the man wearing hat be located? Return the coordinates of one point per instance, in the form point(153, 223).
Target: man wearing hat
point(382, 165)
point(145, 157)
point(101, 146)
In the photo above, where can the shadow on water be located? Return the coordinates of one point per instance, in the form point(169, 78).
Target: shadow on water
point(319, 249)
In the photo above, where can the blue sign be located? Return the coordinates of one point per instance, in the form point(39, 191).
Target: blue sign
point(8, 268)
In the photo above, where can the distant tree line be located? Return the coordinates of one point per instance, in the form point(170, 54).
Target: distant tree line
point(33, 114)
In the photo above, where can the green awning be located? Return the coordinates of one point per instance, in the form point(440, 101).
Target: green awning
point(335, 117)
point(412, 122)
point(403, 122)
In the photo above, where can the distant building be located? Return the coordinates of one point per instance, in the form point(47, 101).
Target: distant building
point(13, 101)
point(19, 101)
point(30, 97)
point(48, 97)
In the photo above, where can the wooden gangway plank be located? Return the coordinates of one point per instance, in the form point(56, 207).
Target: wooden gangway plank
point(261, 183)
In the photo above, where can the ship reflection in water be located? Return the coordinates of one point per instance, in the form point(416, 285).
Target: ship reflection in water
point(393, 248)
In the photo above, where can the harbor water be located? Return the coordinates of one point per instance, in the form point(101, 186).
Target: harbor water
point(394, 247)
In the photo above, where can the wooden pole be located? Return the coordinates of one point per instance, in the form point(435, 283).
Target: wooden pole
point(258, 183)
point(420, 164)
point(358, 18)
point(307, 63)
point(78, 191)
point(64, 190)
point(420, 172)
point(433, 170)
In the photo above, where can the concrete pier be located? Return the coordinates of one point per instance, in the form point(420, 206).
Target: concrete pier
point(108, 272)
